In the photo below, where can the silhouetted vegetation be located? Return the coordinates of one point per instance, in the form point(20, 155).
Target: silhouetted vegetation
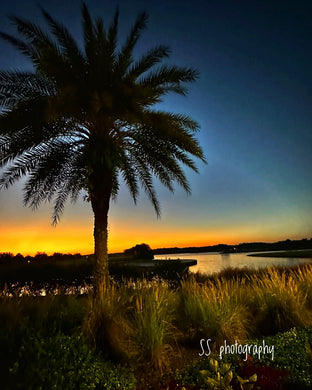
point(140, 251)
point(61, 271)
point(244, 247)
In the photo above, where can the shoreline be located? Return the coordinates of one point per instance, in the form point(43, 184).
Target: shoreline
point(303, 253)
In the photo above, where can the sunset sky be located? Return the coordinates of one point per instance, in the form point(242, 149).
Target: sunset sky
point(253, 102)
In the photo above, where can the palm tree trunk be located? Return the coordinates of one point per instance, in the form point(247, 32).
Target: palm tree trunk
point(101, 275)
point(100, 205)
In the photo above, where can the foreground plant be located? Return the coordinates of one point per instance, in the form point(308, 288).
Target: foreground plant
point(151, 322)
point(221, 378)
point(59, 361)
point(83, 119)
point(247, 384)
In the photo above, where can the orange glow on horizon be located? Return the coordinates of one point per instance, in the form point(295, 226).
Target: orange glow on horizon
point(79, 239)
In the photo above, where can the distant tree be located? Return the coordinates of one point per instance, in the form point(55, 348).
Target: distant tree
point(41, 256)
point(84, 119)
point(6, 257)
point(19, 257)
point(28, 259)
point(140, 251)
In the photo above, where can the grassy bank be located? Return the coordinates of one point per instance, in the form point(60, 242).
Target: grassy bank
point(147, 330)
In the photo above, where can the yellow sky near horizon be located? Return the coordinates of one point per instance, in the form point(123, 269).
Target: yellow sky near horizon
point(79, 239)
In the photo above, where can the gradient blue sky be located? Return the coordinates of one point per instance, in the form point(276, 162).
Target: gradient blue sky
point(253, 102)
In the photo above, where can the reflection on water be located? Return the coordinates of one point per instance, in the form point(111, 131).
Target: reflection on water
point(215, 262)
point(42, 289)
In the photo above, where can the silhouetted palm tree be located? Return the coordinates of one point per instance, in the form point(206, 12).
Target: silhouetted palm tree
point(83, 120)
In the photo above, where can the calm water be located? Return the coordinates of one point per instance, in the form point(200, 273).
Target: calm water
point(215, 262)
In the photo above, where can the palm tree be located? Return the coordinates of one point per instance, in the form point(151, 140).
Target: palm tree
point(83, 120)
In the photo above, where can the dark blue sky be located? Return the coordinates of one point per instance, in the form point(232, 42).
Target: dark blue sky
point(253, 101)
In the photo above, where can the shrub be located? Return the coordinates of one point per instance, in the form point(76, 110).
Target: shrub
point(64, 362)
point(293, 353)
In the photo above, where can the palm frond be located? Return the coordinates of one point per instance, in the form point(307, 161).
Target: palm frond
point(129, 175)
point(33, 32)
point(112, 35)
point(169, 79)
point(88, 32)
point(19, 167)
point(18, 86)
point(71, 187)
point(146, 181)
point(147, 61)
point(65, 40)
point(25, 48)
point(125, 56)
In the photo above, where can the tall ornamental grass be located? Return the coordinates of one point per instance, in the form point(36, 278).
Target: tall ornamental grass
point(106, 326)
point(209, 311)
point(151, 323)
point(279, 302)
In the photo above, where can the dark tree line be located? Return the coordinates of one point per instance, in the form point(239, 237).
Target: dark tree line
point(42, 257)
point(244, 247)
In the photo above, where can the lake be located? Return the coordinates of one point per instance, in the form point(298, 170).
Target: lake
point(212, 262)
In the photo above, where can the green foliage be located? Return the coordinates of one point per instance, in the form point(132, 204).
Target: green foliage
point(221, 378)
point(293, 353)
point(64, 312)
point(64, 362)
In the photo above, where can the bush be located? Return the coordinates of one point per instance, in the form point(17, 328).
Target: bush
point(293, 353)
point(64, 362)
